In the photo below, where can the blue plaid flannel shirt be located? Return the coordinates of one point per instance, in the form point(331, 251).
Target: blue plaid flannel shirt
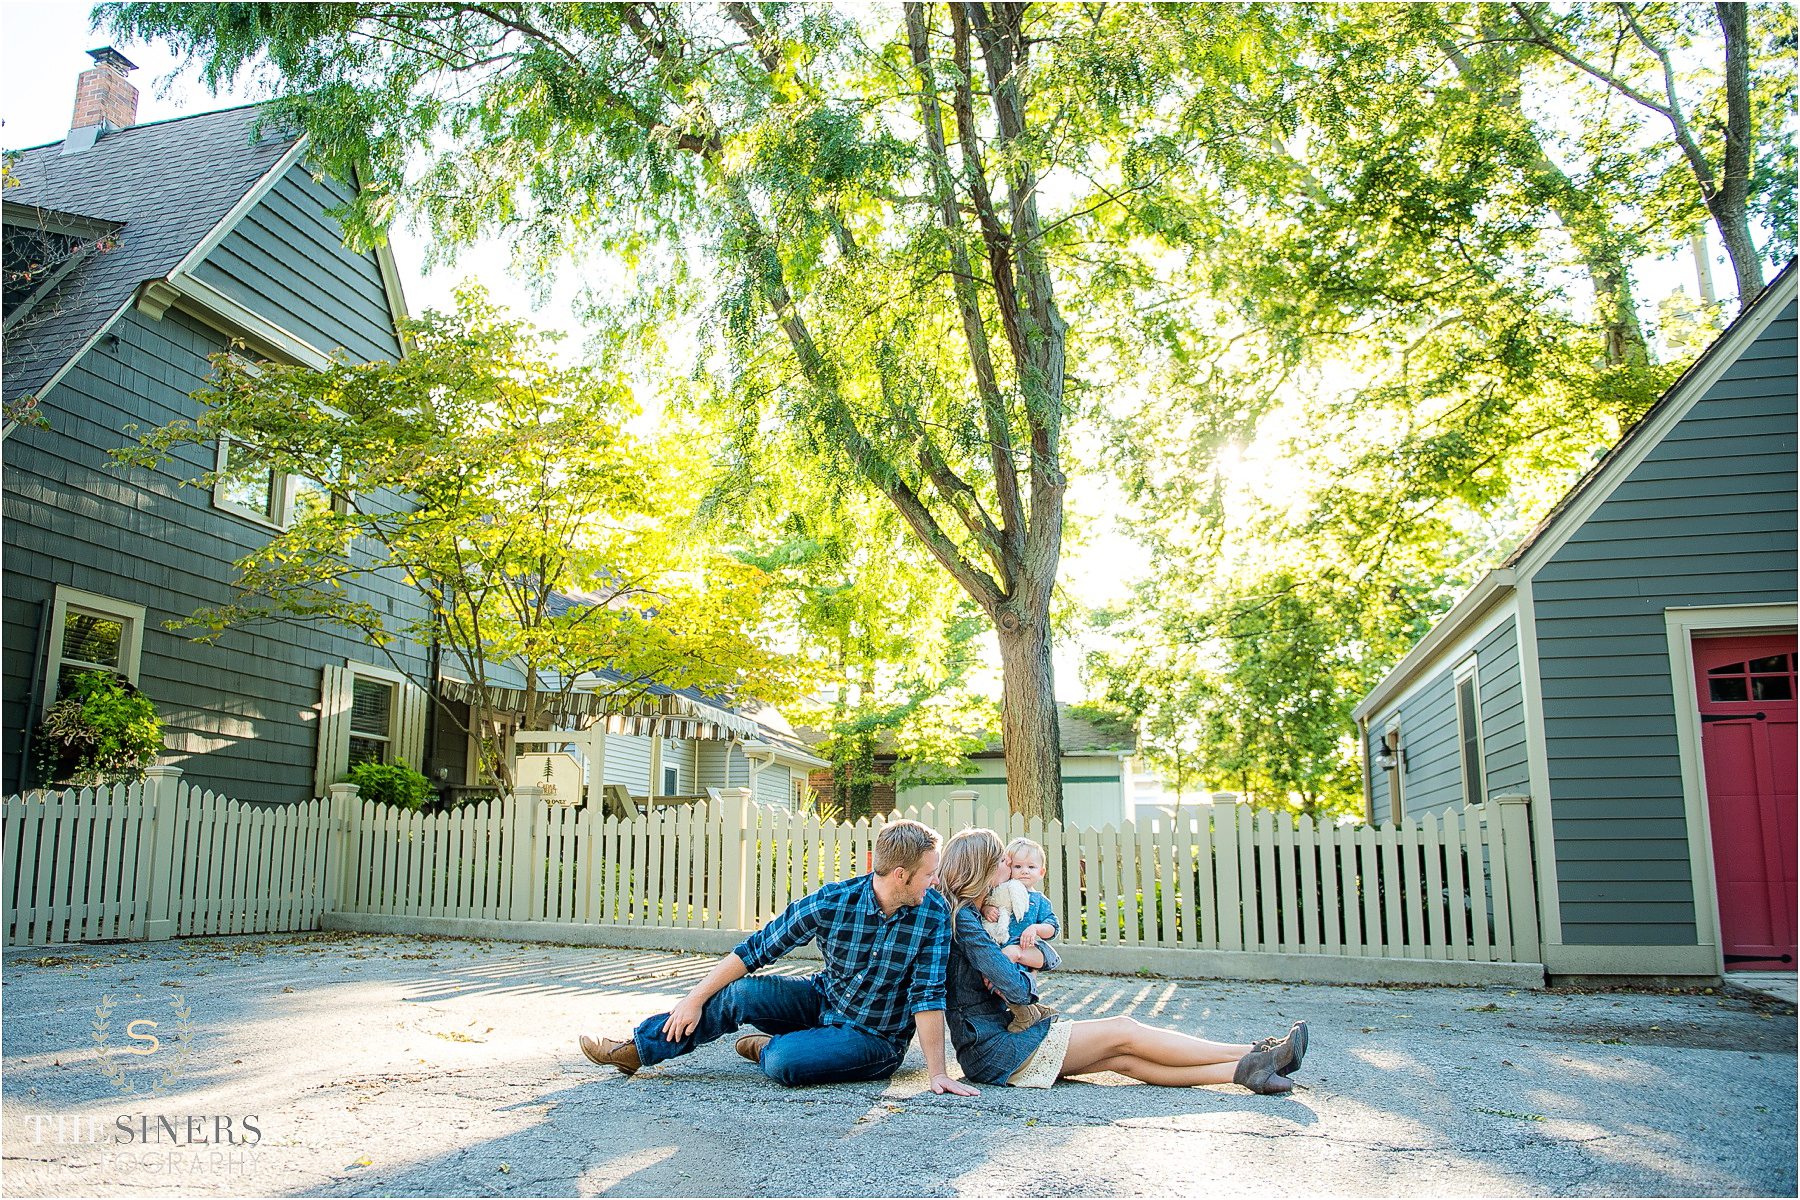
point(879, 970)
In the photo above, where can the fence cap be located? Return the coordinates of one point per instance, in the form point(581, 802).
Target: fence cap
point(162, 772)
point(1513, 798)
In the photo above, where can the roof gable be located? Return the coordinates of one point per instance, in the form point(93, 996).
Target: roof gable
point(168, 185)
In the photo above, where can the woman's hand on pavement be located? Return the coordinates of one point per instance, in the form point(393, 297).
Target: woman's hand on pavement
point(943, 1083)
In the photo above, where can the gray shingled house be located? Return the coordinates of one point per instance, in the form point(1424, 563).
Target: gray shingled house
point(1630, 667)
point(159, 245)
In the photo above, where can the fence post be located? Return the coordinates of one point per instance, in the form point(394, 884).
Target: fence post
point(1521, 879)
point(734, 805)
point(528, 851)
point(962, 809)
point(339, 880)
point(157, 855)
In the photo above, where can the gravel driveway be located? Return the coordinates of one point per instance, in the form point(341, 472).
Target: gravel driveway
point(380, 1065)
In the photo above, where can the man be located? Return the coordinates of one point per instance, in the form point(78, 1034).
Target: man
point(885, 937)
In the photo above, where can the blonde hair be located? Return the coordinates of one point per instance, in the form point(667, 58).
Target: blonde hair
point(967, 871)
point(902, 844)
point(1025, 843)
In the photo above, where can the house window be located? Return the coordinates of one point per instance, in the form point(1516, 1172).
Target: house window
point(1468, 726)
point(1750, 681)
point(271, 497)
point(371, 720)
point(257, 496)
point(90, 633)
point(671, 783)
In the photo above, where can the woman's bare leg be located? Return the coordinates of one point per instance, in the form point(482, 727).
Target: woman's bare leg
point(1149, 1072)
point(1093, 1042)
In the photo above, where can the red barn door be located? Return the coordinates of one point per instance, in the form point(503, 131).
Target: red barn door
point(1747, 735)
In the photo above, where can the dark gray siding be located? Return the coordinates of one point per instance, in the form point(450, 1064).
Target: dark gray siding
point(1432, 778)
point(1707, 519)
point(240, 713)
point(1502, 711)
point(1428, 740)
point(286, 261)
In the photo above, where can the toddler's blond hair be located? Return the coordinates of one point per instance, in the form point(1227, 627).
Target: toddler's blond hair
point(1025, 843)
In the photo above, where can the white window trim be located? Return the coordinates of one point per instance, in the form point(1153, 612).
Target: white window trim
point(1469, 671)
point(1396, 774)
point(280, 500)
point(1682, 626)
point(131, 633)
point(387, 675)
point(389, 740)
point(284, 488)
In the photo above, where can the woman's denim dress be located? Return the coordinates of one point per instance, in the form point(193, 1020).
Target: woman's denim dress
point(978, 1017)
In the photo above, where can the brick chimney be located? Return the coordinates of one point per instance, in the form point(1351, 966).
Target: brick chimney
point(103, 97)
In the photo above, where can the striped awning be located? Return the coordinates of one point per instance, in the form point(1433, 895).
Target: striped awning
point(637, 714)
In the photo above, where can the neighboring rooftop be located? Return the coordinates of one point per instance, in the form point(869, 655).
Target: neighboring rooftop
point(166, 185)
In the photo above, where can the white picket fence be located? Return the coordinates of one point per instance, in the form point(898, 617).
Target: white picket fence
point(160, 858)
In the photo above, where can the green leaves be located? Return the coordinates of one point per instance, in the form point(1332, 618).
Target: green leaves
point(538, 536)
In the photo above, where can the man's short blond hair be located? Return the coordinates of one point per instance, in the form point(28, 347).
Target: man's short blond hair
point(902, 844)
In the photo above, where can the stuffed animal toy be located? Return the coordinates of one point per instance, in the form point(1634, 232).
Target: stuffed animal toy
point(1012, 898)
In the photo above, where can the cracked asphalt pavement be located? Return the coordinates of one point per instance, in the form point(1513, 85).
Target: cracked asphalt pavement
point(408, 1066)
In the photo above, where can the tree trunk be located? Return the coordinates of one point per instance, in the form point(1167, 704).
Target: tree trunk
point(1729, 202)
point(1028, 717)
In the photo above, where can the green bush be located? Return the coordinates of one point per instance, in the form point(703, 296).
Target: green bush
point(391, 783)
point(103, 731)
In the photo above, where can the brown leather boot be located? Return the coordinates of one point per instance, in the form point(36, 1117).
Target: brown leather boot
point(751, 1045)
point(1289, 1051)
point(1256, 1071)
point(607, 1053)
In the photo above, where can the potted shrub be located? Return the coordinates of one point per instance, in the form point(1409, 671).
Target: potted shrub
point(103, 731)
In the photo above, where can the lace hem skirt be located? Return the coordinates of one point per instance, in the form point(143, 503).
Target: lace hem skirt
point(1045, 1063)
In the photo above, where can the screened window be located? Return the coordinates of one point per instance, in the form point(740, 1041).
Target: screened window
point(371, 720)
point(1468, 723)
point(671, 783)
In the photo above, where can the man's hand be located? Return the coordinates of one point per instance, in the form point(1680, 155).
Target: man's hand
point(944, 1085)
point(683, 1018)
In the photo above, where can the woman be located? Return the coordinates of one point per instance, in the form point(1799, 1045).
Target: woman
point(982, 981)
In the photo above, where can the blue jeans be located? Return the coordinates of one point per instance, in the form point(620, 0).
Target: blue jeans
point(802, 1050)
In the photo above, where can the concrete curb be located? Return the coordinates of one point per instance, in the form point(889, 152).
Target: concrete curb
point(1098, 960)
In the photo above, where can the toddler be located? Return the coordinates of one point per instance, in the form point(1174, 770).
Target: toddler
point(1026, 931)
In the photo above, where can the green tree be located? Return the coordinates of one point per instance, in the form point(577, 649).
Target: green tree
point(893, 633)
point(1728, 117)
point(882, 213)
point(541, 537)
point(1414, 186)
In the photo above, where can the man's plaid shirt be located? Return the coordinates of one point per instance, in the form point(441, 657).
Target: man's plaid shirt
point(879, 970)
